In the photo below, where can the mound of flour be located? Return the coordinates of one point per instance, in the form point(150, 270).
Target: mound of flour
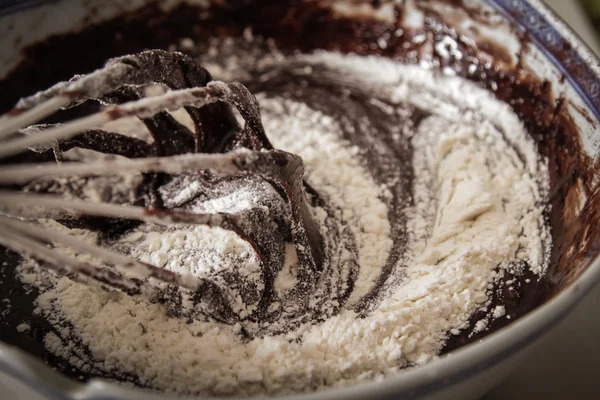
point(478, 198)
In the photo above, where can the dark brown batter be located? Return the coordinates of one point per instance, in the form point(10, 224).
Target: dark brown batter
point(306, 28)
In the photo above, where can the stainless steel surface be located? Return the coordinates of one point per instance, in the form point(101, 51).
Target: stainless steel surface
point(566, 362)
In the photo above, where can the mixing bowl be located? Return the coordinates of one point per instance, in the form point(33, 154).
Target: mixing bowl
point(527, 57)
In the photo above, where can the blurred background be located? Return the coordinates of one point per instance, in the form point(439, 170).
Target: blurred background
point(592, 10)
point(583, 16)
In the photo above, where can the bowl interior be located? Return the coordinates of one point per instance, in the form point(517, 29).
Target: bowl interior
point(522, 54)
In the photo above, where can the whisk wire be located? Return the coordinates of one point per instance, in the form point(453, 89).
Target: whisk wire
point(143, 108)
point(10, 124)
point(127, 266)
point(61, 263)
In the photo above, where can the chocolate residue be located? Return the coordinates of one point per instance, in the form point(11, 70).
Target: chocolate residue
point(584, 113)
point(575, 197)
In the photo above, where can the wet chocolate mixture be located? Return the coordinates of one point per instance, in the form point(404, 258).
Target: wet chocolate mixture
point(306, 28)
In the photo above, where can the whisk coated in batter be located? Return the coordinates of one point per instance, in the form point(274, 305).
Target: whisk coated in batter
point(217, 158)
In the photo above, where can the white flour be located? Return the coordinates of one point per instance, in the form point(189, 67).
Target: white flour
point(476, 210)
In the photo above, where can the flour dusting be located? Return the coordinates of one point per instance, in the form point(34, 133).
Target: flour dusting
point(429, 246)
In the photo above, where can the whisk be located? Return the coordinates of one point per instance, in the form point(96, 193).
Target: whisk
point(216, 150)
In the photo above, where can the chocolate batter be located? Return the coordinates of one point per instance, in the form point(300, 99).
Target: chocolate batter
point(306, 28)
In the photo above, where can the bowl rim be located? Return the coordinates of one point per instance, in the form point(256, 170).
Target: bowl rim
point(447, 371)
